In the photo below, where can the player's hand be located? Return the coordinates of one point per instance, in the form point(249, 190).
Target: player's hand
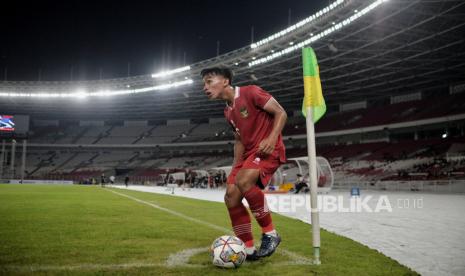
point(266, 146)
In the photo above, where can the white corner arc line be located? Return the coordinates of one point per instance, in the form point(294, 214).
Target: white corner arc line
point(182, 257)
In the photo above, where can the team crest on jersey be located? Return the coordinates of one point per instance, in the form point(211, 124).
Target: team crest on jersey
point(244, 112)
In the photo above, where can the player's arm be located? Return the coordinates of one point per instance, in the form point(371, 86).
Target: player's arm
point(238, 149)
point(277, 111)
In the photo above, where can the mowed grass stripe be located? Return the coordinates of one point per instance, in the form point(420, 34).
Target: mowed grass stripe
point(182, 216)
point(68, 225)
point(340, 252)
point(48, 198)
point(60, 226)
point(299, 259)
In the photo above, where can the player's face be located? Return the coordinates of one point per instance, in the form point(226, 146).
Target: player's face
point(214, 86)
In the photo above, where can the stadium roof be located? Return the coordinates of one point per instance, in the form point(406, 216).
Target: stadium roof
point(367, 50)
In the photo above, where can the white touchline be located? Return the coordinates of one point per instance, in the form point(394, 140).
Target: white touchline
point(216, 227)
point(178, 259)
point(297, 258)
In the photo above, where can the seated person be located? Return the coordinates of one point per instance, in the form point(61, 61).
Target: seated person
point(300, 184)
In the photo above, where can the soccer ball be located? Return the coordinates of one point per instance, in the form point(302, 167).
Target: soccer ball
point(228, 252)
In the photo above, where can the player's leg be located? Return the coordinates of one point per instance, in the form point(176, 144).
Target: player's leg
point(240, 219)
point(248, 178)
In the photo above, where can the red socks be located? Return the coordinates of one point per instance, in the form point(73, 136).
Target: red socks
point(242, 227)
point(257, 203)
point(240, 218)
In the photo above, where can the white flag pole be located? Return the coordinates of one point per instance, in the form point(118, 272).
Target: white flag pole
point(315, 218)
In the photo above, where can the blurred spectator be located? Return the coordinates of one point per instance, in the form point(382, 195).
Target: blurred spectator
point(300, 184)
point(126, 181)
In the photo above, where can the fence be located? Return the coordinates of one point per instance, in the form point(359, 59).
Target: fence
point(433, 186)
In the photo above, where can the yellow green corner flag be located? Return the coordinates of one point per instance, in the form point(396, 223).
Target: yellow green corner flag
point(312, 85)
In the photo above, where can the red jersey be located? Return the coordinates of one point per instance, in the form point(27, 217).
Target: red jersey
point(250, 121)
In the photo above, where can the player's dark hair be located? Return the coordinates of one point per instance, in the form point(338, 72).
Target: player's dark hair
point(221, 71)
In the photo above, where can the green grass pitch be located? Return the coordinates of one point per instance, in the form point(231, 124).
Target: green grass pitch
point(76, 230)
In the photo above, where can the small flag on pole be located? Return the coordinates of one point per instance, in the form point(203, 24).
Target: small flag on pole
point(312, 85)
point(313, 109)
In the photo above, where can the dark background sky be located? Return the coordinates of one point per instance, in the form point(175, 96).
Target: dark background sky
point(57, 37)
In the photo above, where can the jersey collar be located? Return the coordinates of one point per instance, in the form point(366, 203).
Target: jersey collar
point(237, 91)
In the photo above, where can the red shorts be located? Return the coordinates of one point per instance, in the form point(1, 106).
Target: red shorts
point(267, 165)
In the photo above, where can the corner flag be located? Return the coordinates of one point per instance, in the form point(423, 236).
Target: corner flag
point(313, 109)
point(312, 85)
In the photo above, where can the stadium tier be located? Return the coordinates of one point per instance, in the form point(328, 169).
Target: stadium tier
point(393, 89)
point(384, 101)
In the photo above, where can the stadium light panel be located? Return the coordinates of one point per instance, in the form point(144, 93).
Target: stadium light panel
point(80, 93)
point(83, 94)
point(318, 36)
point(297, 25)
point(171, 72)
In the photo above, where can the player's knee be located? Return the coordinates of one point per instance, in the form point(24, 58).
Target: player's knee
point(231, 200)
point(227, 199)
point(243, 183)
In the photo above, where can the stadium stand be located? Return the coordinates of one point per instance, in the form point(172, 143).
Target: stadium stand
point(384, 115)
point(388, 112)
point(361, 161)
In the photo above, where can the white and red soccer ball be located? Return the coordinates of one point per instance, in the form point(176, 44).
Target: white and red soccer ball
point(228, 252)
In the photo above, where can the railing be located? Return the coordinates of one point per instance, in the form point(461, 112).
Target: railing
point(432, 186)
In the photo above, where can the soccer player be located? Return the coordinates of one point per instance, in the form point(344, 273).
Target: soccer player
point(257, 120)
